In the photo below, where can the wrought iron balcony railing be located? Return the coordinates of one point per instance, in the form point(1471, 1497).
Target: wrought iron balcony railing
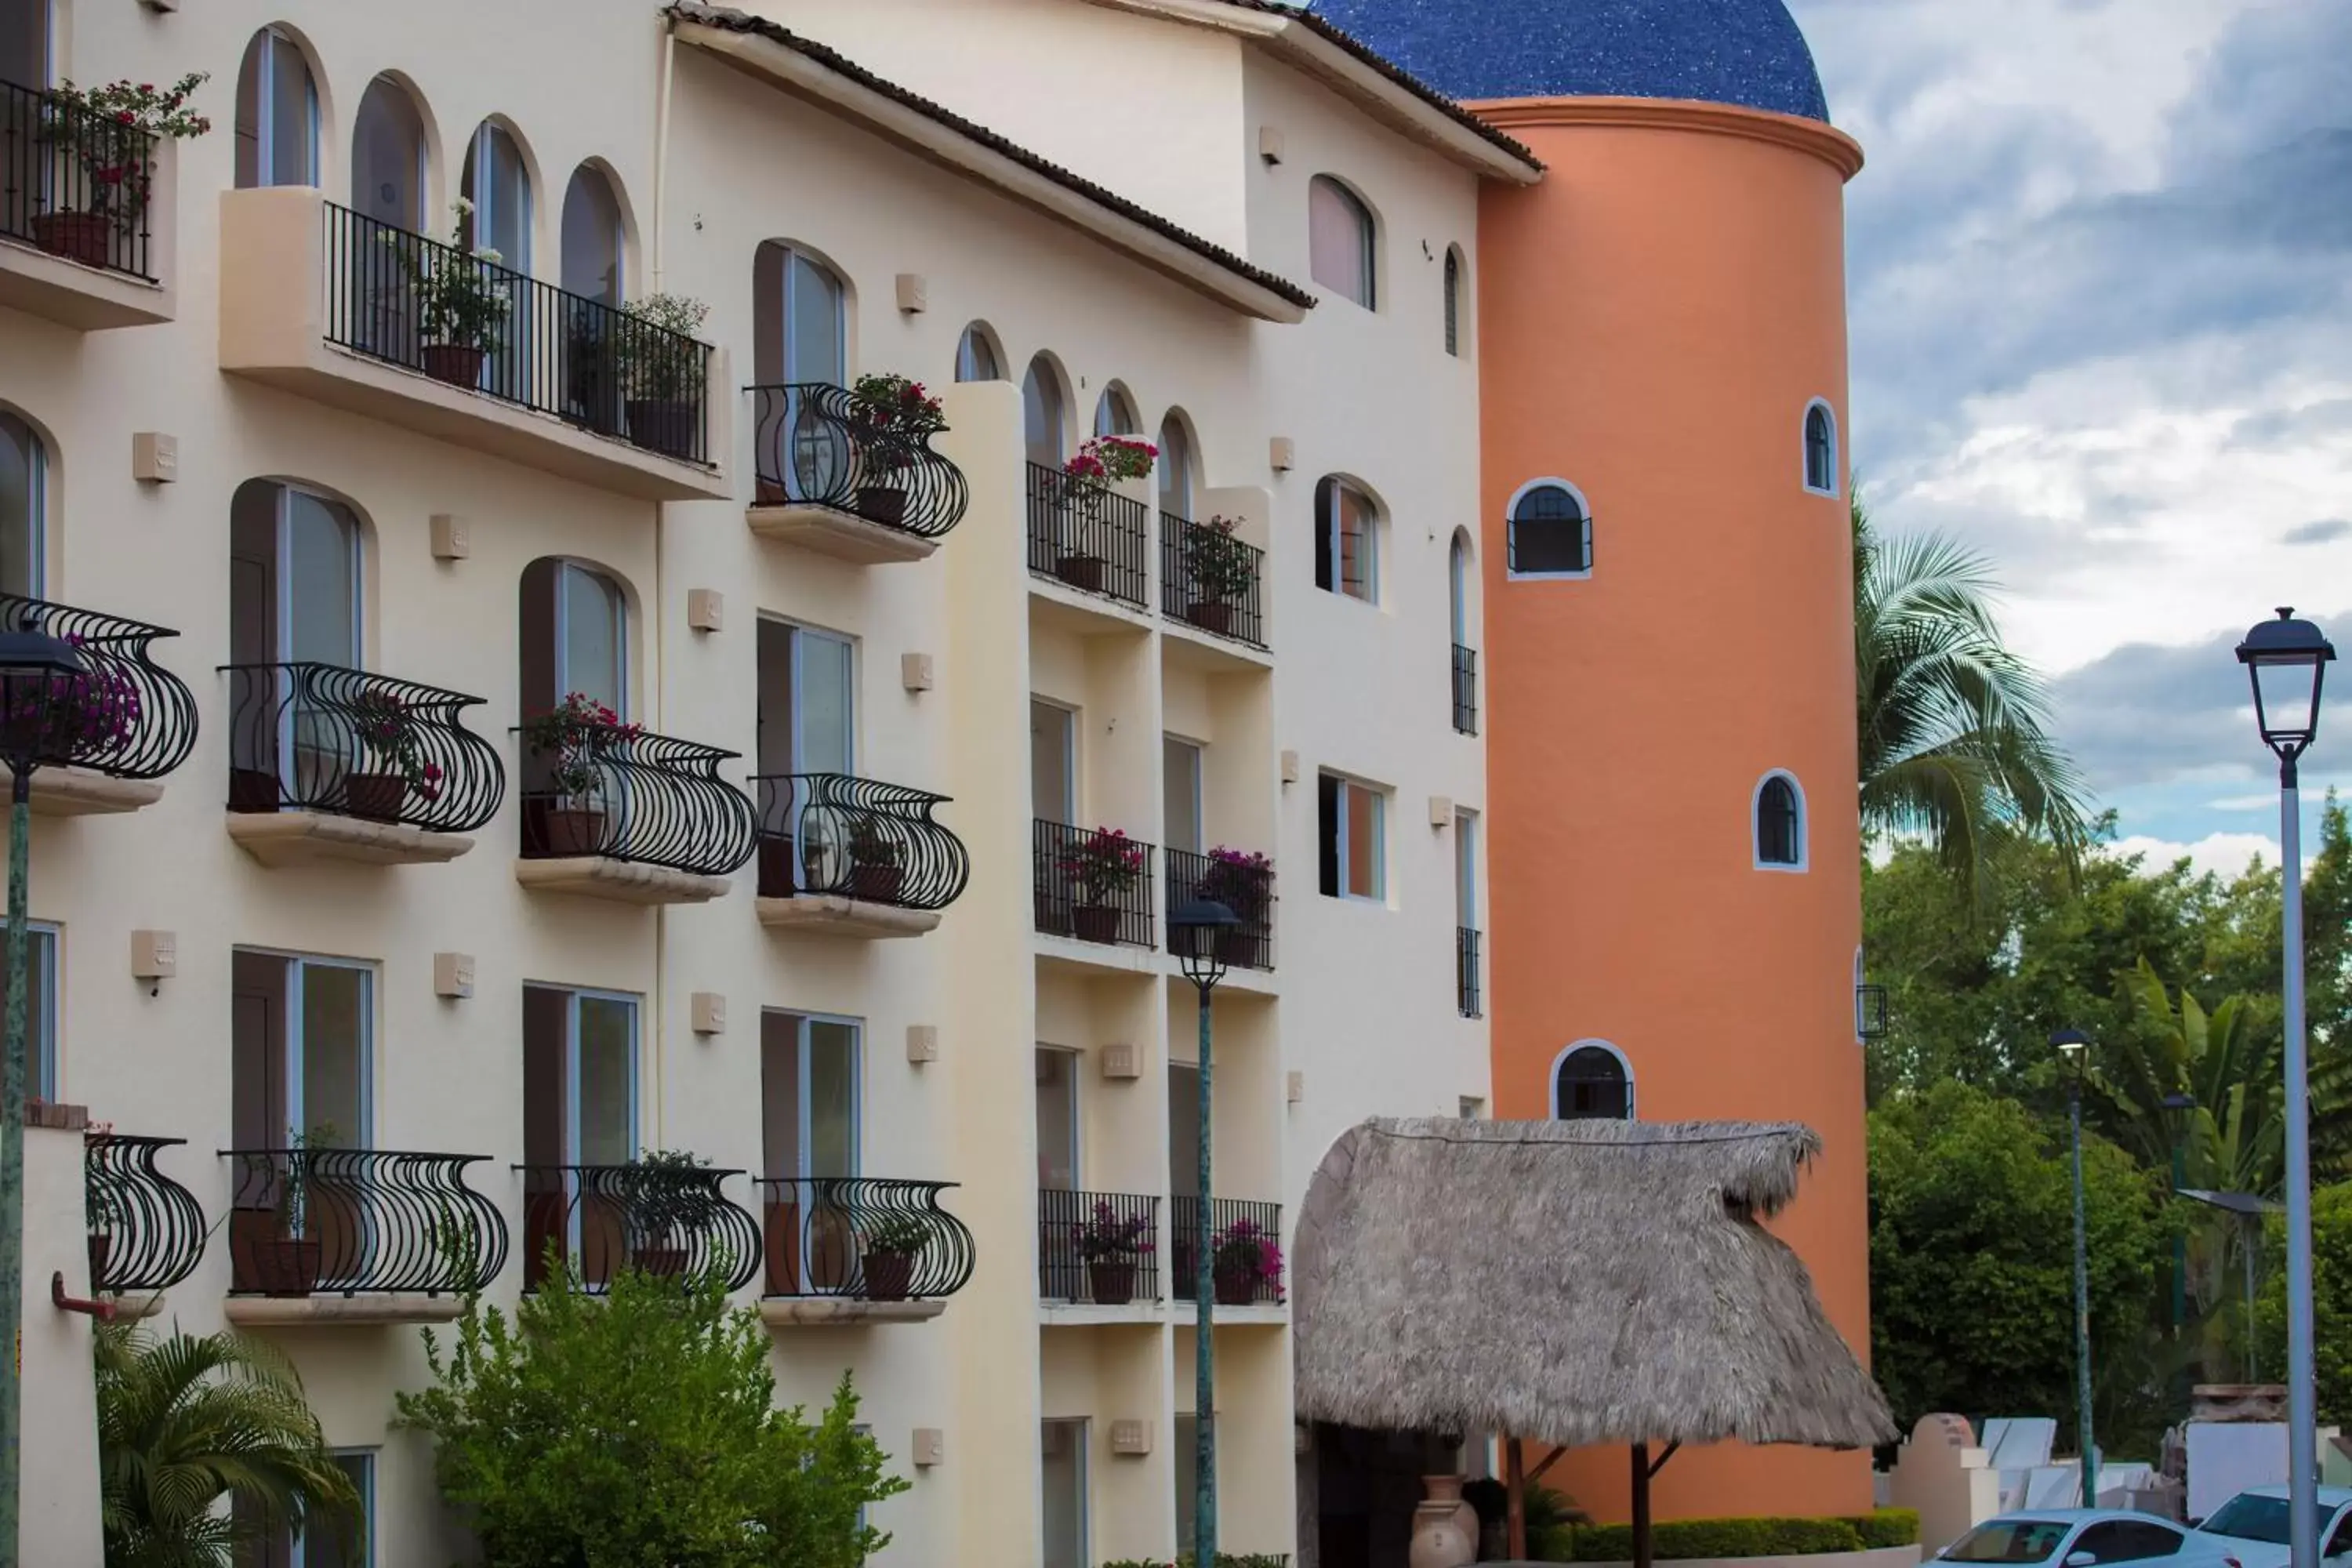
point(1467, 992)
point(1870, 1012)
point(124, 714)
point(639, 797)
point(600, 1219)
point(1086, 535)
point(1465, 689)
point(146, 1230)
point(1211, 580)
point(398, 297)
point(1093, 884)
point(817, 446)
point(856, 839)
point(351, 1220)
point(1240, 883)
point(1244, 1272)
point(317, 737)
point(1102, 1247)
point(78, 184)
point(863, 1238)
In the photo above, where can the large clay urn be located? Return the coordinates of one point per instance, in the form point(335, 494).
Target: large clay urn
point(1438, 1540)
point(1448, 1488)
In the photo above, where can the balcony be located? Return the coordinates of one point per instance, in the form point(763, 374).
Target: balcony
point(1465, 690)
point(634, 817)
point(328, 764)
point(1211, 580)
point(600, 1219)
point(850, 857)
point(1085, 536)
point(110, 730)
point(856, 1249)
point(1094, 885)
point(332, 305)
point(89, 208)
point(1239, 1275)
point(833, 479)
point(1241, 882)
point(1467, 997)
point(356, 1235)
point(1098, 1249)
point(146, 1230)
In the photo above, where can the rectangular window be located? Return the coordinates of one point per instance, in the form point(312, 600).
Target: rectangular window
point(1184, 1129)
point(41, 1010)
point(1188, 1470)
point(1353, 838)
point(337, 1543)
point(1346, 543)
point(1180, 779)
point(1062, 1472)
point(809, 1095)
point(807, 702)
point(1466, 870)
point(578, 1109)
point(1057, 1120)
point(1052, 762)
point(300, 1039)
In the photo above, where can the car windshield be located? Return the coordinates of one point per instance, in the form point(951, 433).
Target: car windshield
point(2008, 1541)
point(2251, 1518)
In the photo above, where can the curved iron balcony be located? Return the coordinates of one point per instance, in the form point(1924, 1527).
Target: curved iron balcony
point(317, 737)
point(856, 839)
point(348, 1220)
point(863, 1238)
point(125, 714)
point(600, 1219)
point(146, 1231)
point(653, 799)
point(815, 446)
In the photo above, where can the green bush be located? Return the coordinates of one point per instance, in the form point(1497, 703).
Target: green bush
point(1687, 1537)
point(1887, 1527)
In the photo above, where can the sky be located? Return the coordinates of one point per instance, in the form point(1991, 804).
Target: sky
point(2102, 331)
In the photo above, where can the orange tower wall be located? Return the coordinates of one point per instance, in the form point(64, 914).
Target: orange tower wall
point(1655, 317)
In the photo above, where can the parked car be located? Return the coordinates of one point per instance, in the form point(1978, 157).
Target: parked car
point(2085, 1537)
point(2252, 1525)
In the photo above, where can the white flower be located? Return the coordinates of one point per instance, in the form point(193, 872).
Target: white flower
point(484, 253)
point(462, 207)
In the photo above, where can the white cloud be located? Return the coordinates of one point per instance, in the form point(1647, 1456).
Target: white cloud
point(2226, 855)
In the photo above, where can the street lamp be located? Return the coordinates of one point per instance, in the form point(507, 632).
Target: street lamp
point(2074, 1048)
point(2287, 660)
point(1194, 931)
point(37, 697)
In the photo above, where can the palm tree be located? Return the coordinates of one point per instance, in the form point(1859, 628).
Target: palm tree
point(184, 1422)
point(1955, 727)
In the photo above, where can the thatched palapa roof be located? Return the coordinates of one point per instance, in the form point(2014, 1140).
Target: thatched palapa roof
point(1574, 1282)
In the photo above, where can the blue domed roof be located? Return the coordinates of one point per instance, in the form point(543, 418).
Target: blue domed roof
point(1747, 52)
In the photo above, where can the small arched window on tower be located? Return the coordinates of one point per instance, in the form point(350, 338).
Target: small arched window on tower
point(1454, 302)
point(1820, 449)
point(1550, 532)
point(1339, 252)
point(1779, 823)
point(1592, 1084)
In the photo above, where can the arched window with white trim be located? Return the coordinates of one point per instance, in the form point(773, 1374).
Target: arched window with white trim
point(497, 181)
point(1592, 1081)
point(1340, 248)
point(976, 356)
point(1347, 540)
point(1820, 449)
point(1115, 413)
point(1454, 280)
point(1780, 823)
point(595, 240)
point(277, 114)
point(1175, 468)
point(1550, 531)
point(1045, 428)
point(23, 506)
point(388, 158)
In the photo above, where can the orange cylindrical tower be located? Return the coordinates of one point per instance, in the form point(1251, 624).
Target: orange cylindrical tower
point(1657, 317)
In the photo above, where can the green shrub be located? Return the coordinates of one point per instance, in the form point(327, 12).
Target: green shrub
point(1687, 1537)
point(1887, 1527)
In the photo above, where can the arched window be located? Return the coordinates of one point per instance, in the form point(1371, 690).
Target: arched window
point(24, 507)
point(594, 237)
point(801, 319)
point(1339, 252)
point(1454, 302)
point(1592, 1083)
point(498, 184)
point(294, 597)
point(575, 636)
point(976, 356)
point(1820, 449)
point(388, 156)
point(277, 114)
point(1115, 413)
point(1044, 426)
point(25, 44)
point(1550, 531)
point(1175, 468)
point(1457, 577)
point(1347, 540)
point(1779, 823)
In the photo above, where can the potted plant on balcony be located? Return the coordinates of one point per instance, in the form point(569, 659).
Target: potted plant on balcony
point(462, 300)
point(1101, 461)
point(1241, 881)
point(391, 739)
point(1221, 571)
point(107, 133)
point(877, 863)
point(666, 1198)
point(890, 417)
point(286, 1259)
point(663, 372)
point(1105, 864)
point(77, 715)
point(1242, 1257)
point(892, 1243)
point(571, 740)
point(1112, 1245)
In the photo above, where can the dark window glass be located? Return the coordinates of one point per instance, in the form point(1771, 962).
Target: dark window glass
point(1591, 1086)
point(1326, 834)
point(1820, 449)
point(1452, 303)
point(1779, 834)
point(1550, 533)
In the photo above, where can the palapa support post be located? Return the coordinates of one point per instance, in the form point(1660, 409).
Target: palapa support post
point(1515, 1510)
point(1645, 1471)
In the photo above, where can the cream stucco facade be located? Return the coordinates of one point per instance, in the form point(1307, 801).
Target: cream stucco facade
point(714, 139)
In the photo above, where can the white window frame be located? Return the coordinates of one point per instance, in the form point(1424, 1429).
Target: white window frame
point(1075, 1060)
point(1805, 449)
point(1199, 750)
point(1350, 786)
point(572, 996)
point(1115, 405)
point(297, 1556)
point(265, 89)
point(37, 504)
point(1624, 1065)
point(968, 366)
point(564, 685)
point(1373, 528)
point(1176, 463)
point(1370, 241)
point(1510, 513)
point(1803, 862)
point(1083, 1427)
point(291, 1042)
point(1072, 787)
point(489, 199)
point(41, 1027)
point(785, 356)
point(802, 1057)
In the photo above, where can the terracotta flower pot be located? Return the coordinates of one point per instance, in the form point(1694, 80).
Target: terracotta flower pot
point(283, 1265)
point(376, 796)
point(884, 504)
point(1053, 915)
point(1235, 1286)
point(86, 238)
point(890, 1276)
point(1110, 1282)
point(1211, 615)
point(459, 364)
point(875, 884)
point(1081, 572)
point(567, 830)
point(1095, 922)
point(663, 425)
point(252, 789)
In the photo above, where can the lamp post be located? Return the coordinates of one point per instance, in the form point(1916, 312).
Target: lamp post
point(2287, 660)
point(2074, 1050)
point(33, 667)
point(1193, 930)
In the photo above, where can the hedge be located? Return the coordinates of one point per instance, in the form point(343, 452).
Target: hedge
point(1688, 1538)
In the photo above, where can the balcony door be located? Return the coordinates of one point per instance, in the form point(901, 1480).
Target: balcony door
point(1052, 762)
point(1062, 1476)
point(300, 1078)
point(580, 1109)
point(594, 247)
point(25, 44)
point(498, 184)
point(294, 599)
point(277, 114)
point(24, 507)
point(574, 636)
point(1181, 782)
point(807, 724)
point(809, 1115)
